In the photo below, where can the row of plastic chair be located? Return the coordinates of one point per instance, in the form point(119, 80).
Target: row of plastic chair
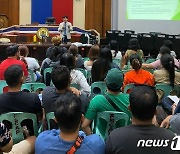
point(166, 88)
point(110, 119)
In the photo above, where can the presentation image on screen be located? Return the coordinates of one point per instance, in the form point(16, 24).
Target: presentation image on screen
point(153, 9)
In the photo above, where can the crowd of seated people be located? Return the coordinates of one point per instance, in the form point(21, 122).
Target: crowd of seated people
point(74, 109)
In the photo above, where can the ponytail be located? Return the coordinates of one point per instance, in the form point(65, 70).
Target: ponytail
point(167, 62)
point(136, 62)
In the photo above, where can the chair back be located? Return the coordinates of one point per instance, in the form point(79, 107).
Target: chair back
point(107, 121)
point(128, 87)
point(3, 84)
point(33, 87)
point(31, 75)
point(167, 89)
point(98, 88)
point(50, 121)
point(16, 118)
point(47, 71)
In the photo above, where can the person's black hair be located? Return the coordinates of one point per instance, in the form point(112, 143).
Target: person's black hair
point(13, 75)
point(49, 53)
point(68, 112)
point(164, 50)
point(68, 60)
point(114, 46)
point(99, 69)
point(143, 102)
point(65, 17)
point(60, 77)
point(169, 44)
point(134, 44)
point(135, 61)
point(12, 50)
point(167, 62)
point(106, 54)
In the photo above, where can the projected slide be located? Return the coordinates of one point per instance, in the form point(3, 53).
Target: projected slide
point(153, 9)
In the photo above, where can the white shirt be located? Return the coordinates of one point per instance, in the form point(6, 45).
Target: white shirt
point(78, 77)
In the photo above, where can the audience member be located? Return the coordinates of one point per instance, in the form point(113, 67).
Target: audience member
point(12, 53)
point(99, 70)
point(107, 55)
point(73, 49)
point(61, 80)
point(6, 143)
point(93, 55)
point(132, 49)
point(53, 55)
point(169, 44)
point(167, 74)
point(77, 77)
point(68, 139)
point(56, 40)
point(116, 54)
point(137, 75)
point(32, 63)
point(157, 64)
point(142, 137)
point(99, 103)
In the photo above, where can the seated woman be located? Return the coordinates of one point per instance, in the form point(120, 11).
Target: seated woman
point(133, 48)
point(99, 70)
point(116, 54)
point(77, 76)
point(137, 75)
point(157, 64)
point(73, 49)
point(167, 74)
point(169, 44)
point(93, 55)
point(107, 55)
point(32, 63)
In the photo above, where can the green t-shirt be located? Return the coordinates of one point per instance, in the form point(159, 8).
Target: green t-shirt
point(99, 104)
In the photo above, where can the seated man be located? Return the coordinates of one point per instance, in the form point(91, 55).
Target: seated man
point(61, 80)
point(142, 137)
point(6, 143)
point(12, 53)
point(99, 103)
point(15, 100)
point(68, 139)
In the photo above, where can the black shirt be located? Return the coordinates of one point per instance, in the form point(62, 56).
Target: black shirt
point(20, 102)
point(135, 139)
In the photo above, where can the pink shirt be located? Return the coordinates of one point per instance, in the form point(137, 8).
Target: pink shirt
point(157, 64)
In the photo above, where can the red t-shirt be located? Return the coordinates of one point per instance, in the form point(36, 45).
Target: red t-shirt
point(11, 61)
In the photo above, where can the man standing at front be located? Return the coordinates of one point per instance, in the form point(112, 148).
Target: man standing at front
point(65, 28)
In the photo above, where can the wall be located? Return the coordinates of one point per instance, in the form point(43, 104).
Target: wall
point(24, 12)
point(164, 26)
point(79, 13)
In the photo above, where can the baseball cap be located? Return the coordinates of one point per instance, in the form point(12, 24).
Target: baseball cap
point(114, 79)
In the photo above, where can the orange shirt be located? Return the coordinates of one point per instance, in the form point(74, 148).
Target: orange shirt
point(138, 77)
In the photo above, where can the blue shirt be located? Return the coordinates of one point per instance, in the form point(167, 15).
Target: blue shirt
point(49, 142)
